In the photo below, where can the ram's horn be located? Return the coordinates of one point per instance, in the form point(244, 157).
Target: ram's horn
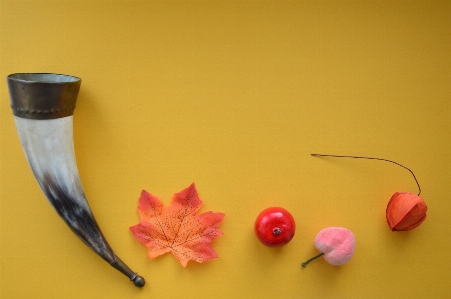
point(43, 105)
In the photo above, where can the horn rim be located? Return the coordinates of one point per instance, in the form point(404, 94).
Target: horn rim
point(43, 95)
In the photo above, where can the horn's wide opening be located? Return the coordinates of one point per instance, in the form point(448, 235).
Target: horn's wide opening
point(44, 77)
point(43, 95)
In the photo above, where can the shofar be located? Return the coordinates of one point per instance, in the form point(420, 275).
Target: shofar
point(43, 105)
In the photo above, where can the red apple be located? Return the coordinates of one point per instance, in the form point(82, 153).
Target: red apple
point(275, 227)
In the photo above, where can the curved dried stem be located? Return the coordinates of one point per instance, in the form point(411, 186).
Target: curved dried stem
point(371, 158)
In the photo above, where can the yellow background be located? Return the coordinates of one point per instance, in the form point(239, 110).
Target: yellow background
point(234, 96)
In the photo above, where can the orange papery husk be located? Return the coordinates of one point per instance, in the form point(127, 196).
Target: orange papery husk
point(405, 211)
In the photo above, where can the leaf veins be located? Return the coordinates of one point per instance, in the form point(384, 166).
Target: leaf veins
point(177, 228)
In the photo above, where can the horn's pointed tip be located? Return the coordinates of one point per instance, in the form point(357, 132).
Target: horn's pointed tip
point(139, 281)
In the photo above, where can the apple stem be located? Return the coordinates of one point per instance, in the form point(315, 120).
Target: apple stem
point(312, 259)
point(277, 231)
point(371, 158)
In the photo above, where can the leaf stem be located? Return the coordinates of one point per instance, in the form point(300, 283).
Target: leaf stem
point(312, 259)
point(371, 158)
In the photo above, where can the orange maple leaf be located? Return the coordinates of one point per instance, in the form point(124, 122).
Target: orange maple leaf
point(177, 228)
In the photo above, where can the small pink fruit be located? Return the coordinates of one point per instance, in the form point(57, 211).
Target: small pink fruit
point(336, 244)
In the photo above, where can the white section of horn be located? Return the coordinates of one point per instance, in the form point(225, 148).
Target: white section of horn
point(49, 148)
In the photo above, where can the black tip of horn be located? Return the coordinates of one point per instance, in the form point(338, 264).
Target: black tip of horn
point(139, 281)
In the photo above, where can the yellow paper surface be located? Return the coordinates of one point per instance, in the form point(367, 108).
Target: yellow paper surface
point(234, 96)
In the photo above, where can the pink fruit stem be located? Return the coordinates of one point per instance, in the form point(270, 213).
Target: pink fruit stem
point(313, 258)
point(371, 158)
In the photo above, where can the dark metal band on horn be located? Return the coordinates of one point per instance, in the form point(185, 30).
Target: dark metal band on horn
point(43, 95)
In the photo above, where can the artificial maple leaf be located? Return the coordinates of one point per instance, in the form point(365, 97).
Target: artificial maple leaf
point(177, 228)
